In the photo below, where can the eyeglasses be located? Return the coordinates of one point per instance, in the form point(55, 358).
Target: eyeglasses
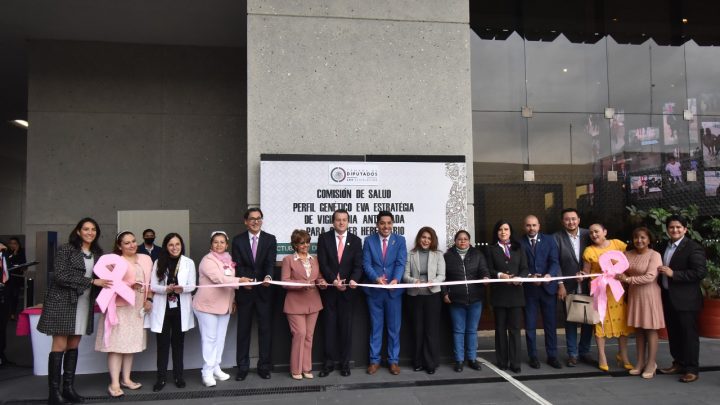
point(257, 219)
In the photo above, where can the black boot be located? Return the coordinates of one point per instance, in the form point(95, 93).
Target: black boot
point(54, 368)
point(69, 366)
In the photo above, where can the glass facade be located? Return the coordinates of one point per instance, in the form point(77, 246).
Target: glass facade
point(641, 155)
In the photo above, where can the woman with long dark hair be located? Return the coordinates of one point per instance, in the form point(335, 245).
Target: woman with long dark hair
point(67, 309)
point(425, 264)
point(172, 281)
point(507, 260)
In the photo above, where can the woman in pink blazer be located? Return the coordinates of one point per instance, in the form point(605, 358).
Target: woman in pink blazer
point(214, 305)
point(302, 304)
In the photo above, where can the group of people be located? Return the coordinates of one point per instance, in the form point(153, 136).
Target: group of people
point(167, 292)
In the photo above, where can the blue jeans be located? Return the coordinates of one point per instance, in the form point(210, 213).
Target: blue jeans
point(573, 347)
point(465, 320)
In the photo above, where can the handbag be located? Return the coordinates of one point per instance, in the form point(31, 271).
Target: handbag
point(580, 309)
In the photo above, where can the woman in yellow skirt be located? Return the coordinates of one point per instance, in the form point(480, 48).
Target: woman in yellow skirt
point(615, 324)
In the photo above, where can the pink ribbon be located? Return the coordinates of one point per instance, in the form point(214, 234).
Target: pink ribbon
point(112, 267)
point(612, 263)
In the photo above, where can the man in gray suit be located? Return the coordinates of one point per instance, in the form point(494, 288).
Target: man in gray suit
point(572, 241)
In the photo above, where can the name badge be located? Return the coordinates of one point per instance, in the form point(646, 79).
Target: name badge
point(229, 272)
point(173, 302)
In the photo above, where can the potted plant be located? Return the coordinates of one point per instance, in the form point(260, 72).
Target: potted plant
point(709, 319)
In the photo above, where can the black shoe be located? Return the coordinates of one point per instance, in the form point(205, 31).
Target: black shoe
point(474, 364)
point(69, 366)
point(418, 368)
point(326, 371)
point(180, 382)
point(345, 372)
point(241, 375)
point(264, 374)
point(534, 363)
point(501, 366)
point(458, 366)
point(430, 370)
point(159, 385)
point(515, 369)
point(554, 363)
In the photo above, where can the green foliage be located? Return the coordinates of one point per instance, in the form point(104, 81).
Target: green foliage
point(654, 219)
point(711, 283)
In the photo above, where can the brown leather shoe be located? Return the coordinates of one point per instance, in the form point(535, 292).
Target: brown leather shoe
point(373, 368)
point(674, 369)
point(689, 377)
point(394, 369)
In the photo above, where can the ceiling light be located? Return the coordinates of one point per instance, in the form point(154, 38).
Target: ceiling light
point(20, 123)
point(564, 70)
point(685, 20)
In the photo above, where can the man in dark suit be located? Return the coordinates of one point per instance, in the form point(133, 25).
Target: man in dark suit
point(542, 255)
point(684, 267)
point(340, 257)
point(384, 257)
point(572, 241)
point(254, 253)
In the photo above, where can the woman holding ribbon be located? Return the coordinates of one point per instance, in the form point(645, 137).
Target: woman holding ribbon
point(302, 303)
point(645, 310)
point(173, 281)
point(464, 262)
point(425, 264)
point(615, 323)
point(507, 260)
point(67, 312)
point(123, 337)
point(213, 305)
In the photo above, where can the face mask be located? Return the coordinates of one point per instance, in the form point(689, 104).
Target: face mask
point(149, 241)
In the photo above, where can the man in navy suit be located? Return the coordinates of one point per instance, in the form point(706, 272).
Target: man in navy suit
point(340, 257)
point(384, 257)
point(254, 253)
point(542, 255)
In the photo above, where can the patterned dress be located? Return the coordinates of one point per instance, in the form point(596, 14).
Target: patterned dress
point(615, 323)
point(129, 335)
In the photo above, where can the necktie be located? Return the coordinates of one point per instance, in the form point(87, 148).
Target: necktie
point(384, 248)
point(340, 248)
point(532, 244)
point(254, 247)
point(668, 256)
point(506, 250)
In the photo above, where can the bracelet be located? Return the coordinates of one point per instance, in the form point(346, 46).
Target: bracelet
point(149, 299)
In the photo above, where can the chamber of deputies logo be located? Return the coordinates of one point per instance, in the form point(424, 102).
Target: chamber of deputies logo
point(338, 174)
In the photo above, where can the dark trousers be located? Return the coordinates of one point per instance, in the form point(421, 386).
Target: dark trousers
point(4, 314)
point(683, 335)
point(337, 318)
point(547, 304)
point(249, 303)
point(507, 335)
point(425, 313)
point(171, 336)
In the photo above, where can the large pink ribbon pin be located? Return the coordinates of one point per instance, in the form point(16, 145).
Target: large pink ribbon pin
point(612, 263)
point(106, 298)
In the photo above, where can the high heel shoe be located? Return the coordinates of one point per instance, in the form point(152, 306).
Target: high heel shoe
point(604, 367)
point(621, 363)
point(636, 371)
point(649, 374)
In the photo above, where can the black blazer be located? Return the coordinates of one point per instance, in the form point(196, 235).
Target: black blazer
point(507, 294)
point(350, 268)
point(689, 268)
point(263, 265)
point(569, 264)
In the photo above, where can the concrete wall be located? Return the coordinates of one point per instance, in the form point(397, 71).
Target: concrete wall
point(358, 77)
point(13, 145)
point(127, 127)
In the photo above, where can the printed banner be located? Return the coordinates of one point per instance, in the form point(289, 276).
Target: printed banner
point(304, 194)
